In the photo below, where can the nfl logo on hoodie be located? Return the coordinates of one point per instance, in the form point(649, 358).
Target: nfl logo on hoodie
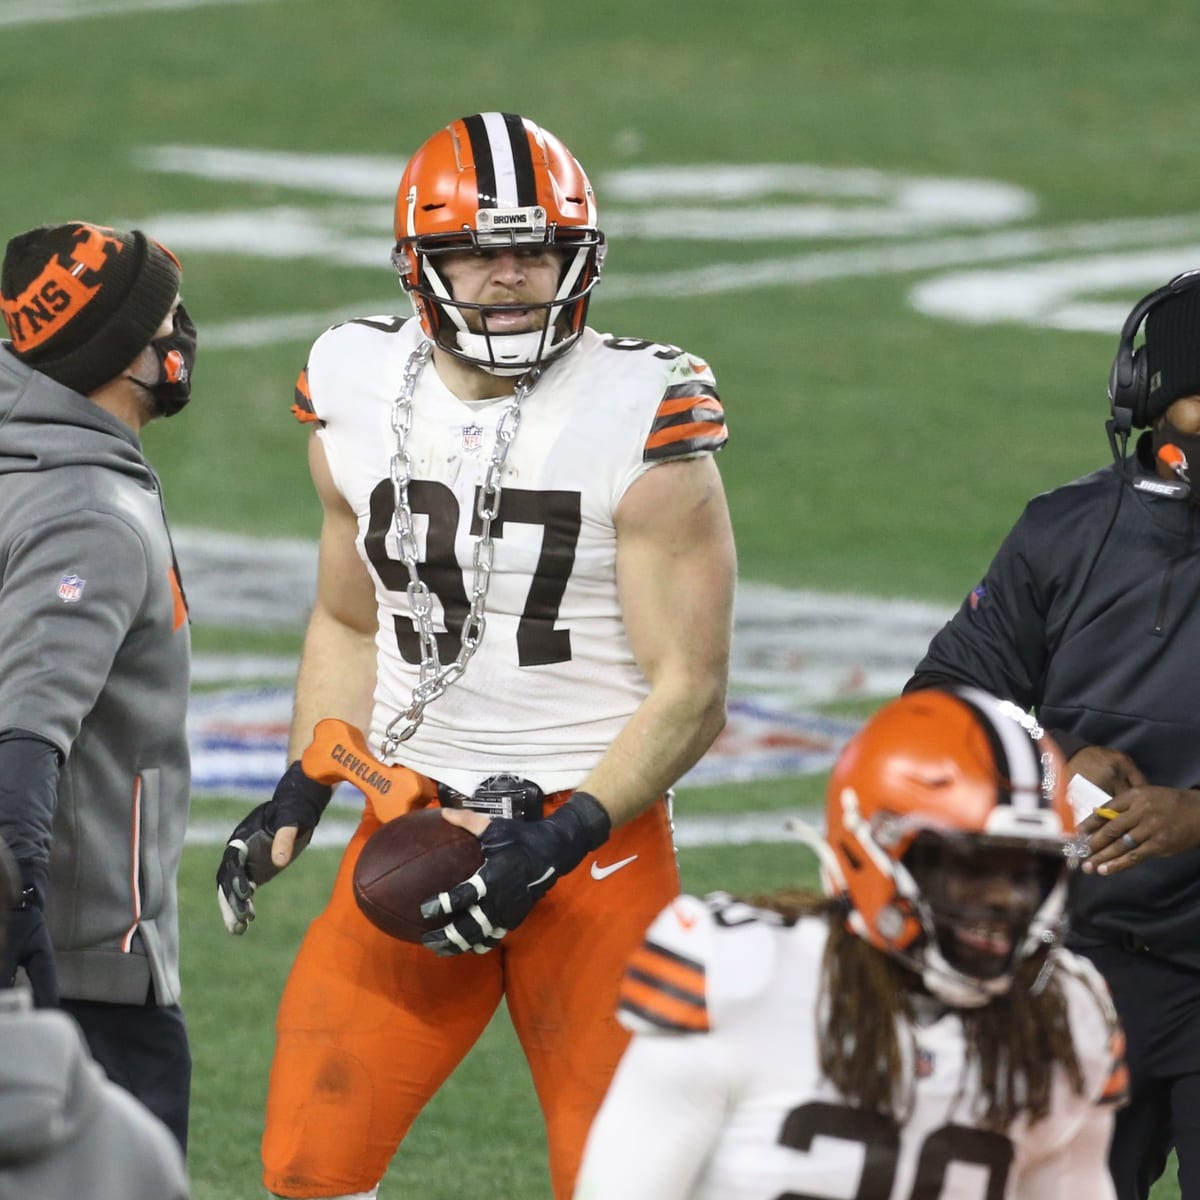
point(70, 588)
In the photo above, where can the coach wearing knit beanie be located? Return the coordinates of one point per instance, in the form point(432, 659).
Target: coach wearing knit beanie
point(1172, 351)
point(94, 647)
point(82, 303)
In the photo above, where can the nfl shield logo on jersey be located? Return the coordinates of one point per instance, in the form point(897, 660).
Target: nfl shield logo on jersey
point(70, 588)
point(472, 438)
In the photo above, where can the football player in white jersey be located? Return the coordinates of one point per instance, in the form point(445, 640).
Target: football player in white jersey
point(525, 595)
point(916, 1033)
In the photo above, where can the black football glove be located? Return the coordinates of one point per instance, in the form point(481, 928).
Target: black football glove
point(522, 861)
point(28, 942)
point(246, 864)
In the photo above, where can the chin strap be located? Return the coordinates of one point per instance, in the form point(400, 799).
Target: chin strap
point(506, 354)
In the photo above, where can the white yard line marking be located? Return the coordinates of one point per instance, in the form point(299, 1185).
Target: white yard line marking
point(1176, 234)
point(43, 12)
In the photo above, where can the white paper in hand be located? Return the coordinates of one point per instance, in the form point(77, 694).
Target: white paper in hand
point(1085, 796)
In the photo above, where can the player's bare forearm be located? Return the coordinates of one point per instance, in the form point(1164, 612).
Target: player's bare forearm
point(337, 667)
point(667, 736)
point(676, 568)
point(336, 679)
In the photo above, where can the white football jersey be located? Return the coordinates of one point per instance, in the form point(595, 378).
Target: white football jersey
point(721, 1097)
point(554, 678)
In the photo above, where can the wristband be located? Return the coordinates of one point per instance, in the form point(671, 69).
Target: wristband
point(595, 823)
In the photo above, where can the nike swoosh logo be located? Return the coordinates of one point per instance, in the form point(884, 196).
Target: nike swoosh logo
point(599, 872)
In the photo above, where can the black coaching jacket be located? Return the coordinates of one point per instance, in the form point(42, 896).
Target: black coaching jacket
point(1090, 615)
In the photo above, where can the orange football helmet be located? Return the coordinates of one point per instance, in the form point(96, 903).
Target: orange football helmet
point(495, 180)
point(938, 793)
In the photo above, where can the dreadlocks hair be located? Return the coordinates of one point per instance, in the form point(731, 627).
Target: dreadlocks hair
point(868, 1009)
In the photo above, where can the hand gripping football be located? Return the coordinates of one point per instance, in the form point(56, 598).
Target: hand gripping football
point(405, 862)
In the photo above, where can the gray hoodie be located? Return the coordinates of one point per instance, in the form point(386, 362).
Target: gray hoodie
point(94, 658)
point(66, 1133)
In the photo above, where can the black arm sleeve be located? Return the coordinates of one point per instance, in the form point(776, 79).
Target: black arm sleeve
point(28, 794)
point(997, 639)
point(932, 679)
point(1069, 743)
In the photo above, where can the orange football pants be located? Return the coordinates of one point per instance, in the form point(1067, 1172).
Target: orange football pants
point(370, 1027)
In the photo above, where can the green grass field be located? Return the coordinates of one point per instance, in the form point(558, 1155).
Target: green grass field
point(903, 233)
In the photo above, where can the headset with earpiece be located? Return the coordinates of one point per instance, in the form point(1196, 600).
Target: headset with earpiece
point(1129, 379)
point(1129, 399)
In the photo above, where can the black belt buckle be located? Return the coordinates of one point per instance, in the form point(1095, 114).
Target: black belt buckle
point(507, 796)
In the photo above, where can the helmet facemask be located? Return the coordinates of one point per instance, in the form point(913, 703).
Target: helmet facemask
point(985, 905)
point(446, 320)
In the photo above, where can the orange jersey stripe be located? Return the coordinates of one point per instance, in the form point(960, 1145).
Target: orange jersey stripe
point(692, 402)
point(651, 962)
point(708, 431)
point(302, 408)
point(689, 420)
point(305, 418)
point(665, 989)
point(647, 1002)
point(1115, 1092)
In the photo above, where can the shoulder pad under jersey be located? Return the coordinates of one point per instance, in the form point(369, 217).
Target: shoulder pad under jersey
point(689, 966)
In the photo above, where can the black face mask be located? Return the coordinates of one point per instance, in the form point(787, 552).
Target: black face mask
point(176, 354)
point(1188, 444)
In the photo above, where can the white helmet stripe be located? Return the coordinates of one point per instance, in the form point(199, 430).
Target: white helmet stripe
point(502, 159)
point(1022, 762)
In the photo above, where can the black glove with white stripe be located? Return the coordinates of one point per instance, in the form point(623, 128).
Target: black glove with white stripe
point(522, 861)
point(246, 863)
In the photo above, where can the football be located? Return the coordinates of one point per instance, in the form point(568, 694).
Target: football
point(407, 860)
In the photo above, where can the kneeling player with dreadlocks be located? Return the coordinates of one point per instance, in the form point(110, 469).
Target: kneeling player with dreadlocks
point(915, 1033)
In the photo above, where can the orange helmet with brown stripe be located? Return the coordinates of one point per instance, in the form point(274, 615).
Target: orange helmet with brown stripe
point(496, 180)
point(946, 782)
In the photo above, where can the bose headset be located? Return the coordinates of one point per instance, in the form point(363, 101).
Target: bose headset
point(1129, 381)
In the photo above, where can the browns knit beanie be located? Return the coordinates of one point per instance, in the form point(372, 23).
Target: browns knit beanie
point(82, 301)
